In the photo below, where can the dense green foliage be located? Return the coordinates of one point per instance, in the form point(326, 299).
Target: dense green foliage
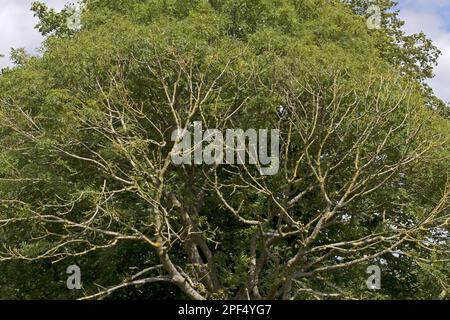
point(85, 136)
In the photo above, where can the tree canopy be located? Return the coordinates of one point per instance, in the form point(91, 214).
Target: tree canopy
point(86, 176)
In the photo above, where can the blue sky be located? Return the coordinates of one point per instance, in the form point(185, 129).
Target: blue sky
point(433, 18)
point(430, 16)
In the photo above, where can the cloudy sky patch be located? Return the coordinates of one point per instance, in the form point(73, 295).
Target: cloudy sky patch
point(17, 26)
point(433, 18)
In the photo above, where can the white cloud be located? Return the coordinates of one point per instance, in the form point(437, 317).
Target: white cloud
point(17, 26)
point(430, 16)
point(434, 25)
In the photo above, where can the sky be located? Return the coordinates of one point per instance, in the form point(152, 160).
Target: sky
point(430, 16)
point(433, 18)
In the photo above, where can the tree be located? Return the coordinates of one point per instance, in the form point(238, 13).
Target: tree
point(86, 153)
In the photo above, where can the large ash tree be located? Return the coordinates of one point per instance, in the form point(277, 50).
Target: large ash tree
point(86, 175)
